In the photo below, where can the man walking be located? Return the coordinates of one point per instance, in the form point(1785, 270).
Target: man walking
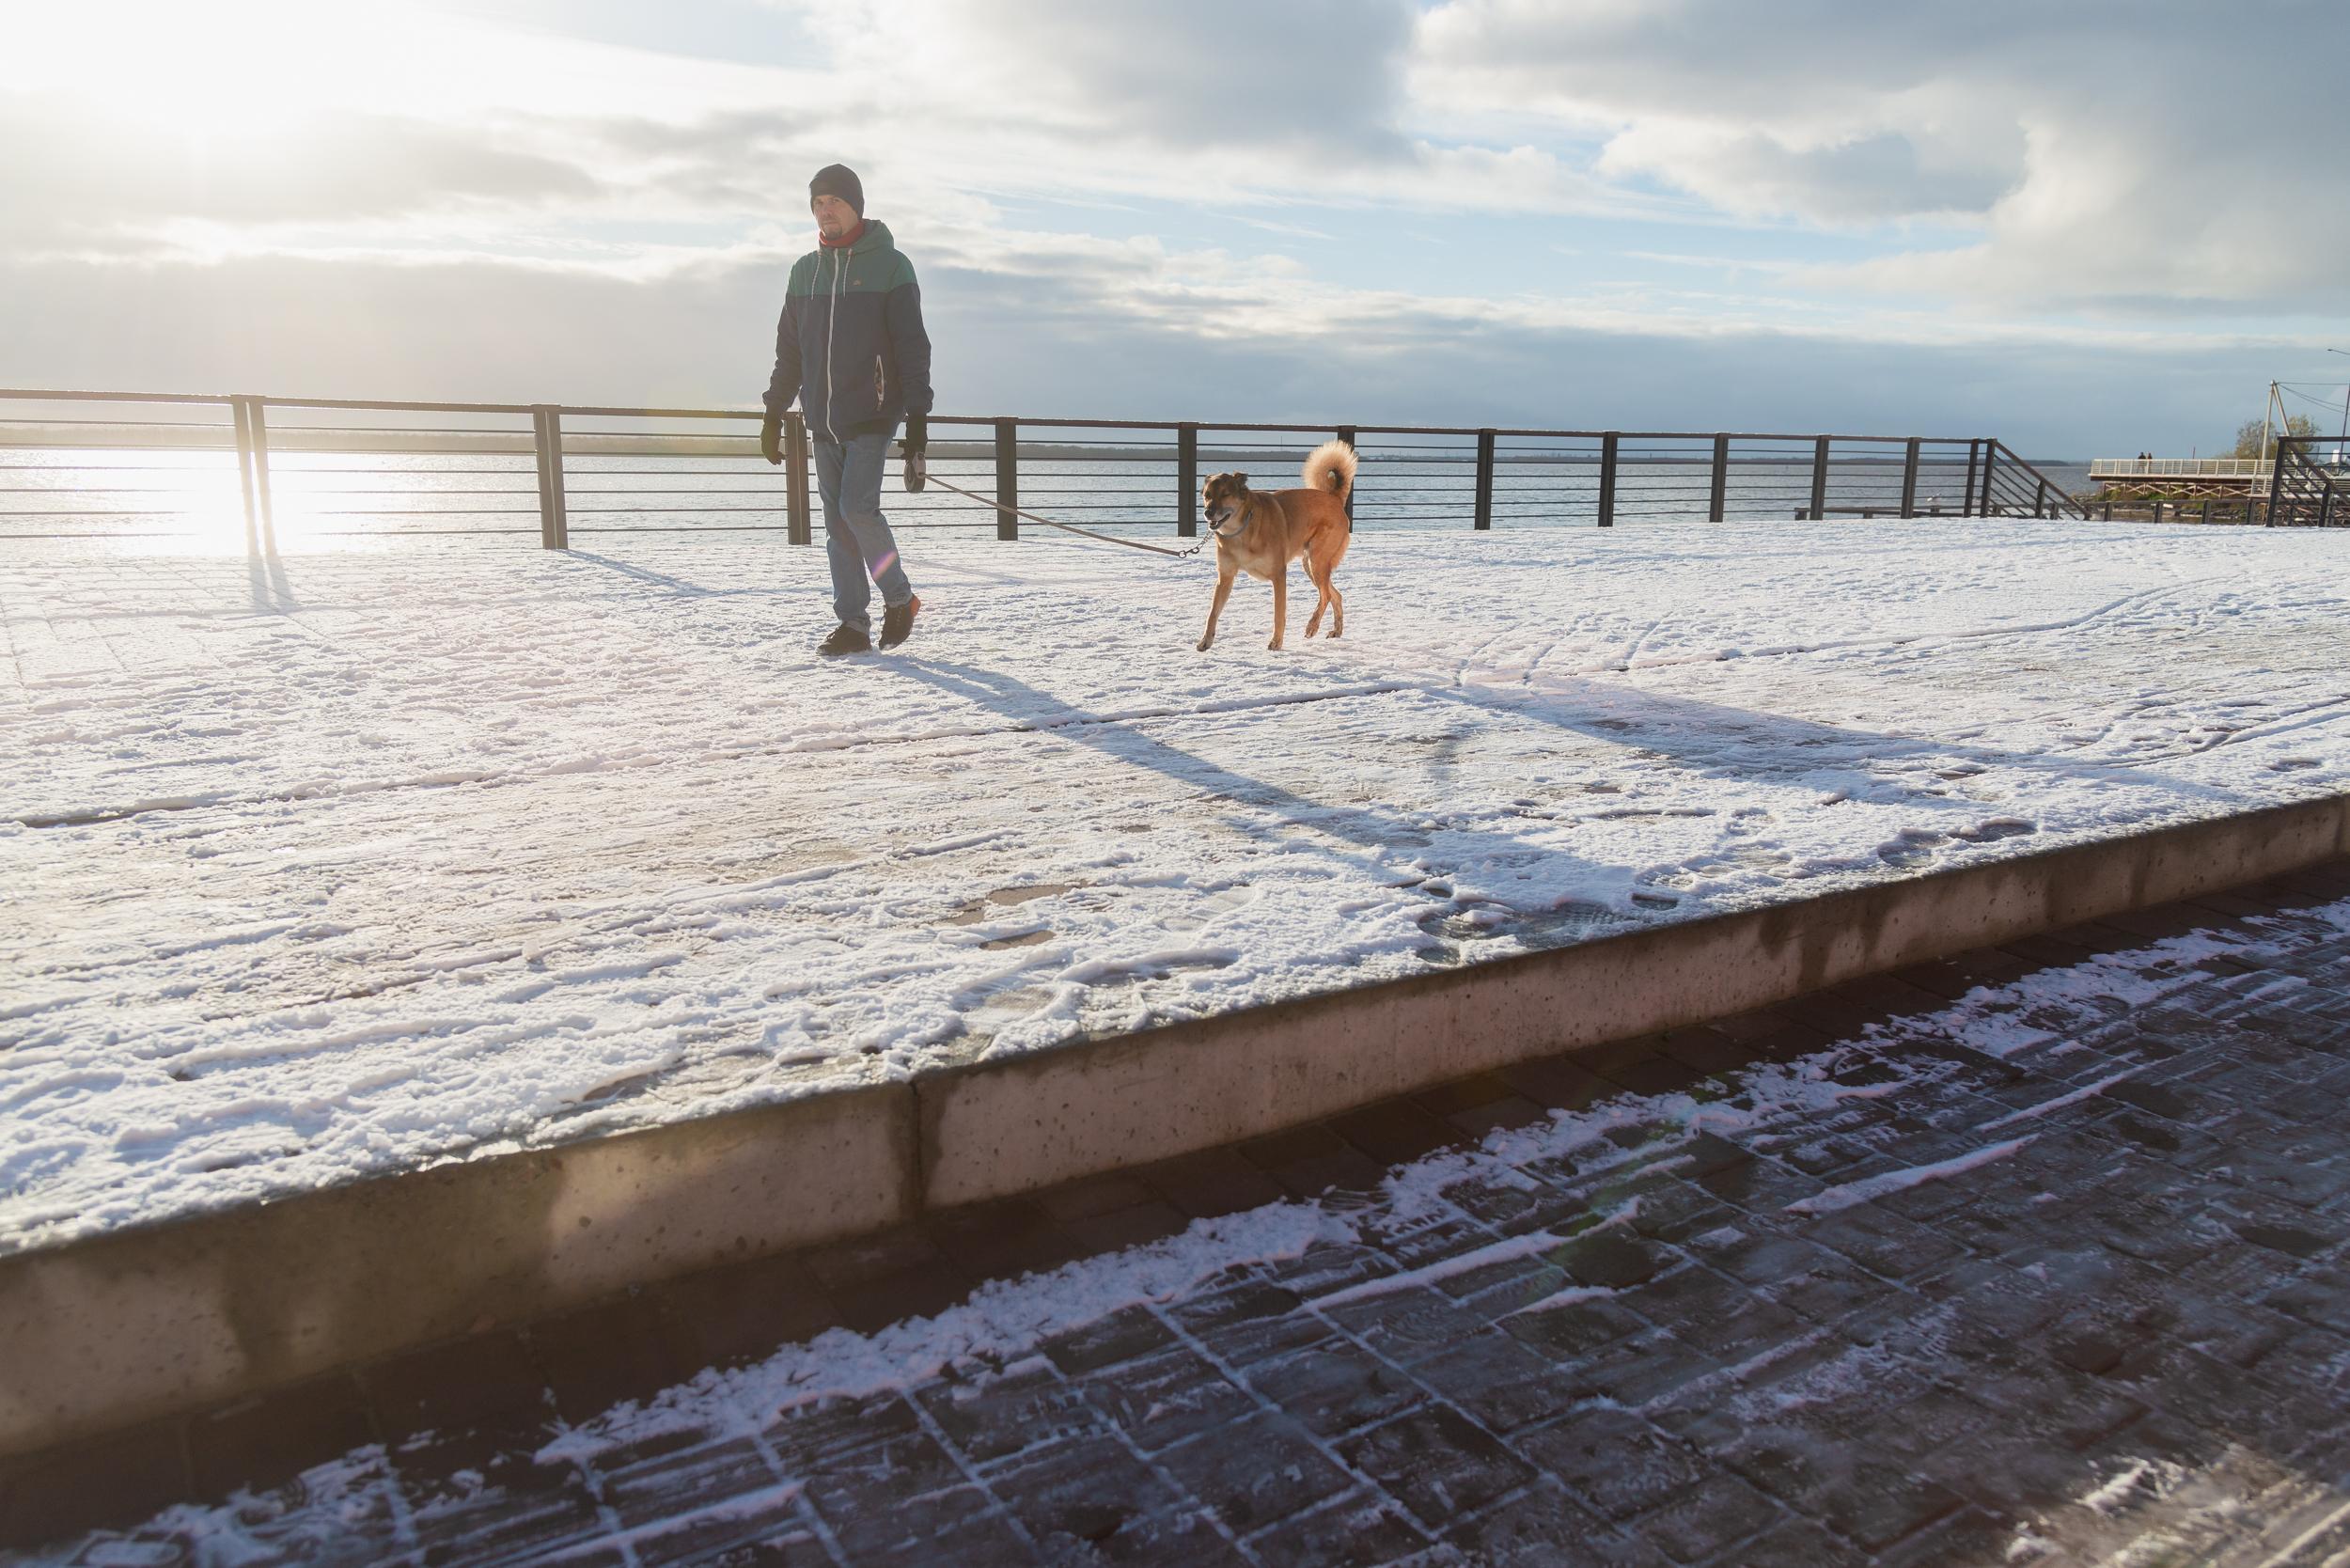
point(850, 347)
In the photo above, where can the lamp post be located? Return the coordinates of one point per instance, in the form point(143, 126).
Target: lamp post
point(2343, 439)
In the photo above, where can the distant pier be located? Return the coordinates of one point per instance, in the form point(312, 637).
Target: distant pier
point(2182, 479)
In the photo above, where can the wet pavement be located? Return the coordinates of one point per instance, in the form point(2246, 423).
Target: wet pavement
point(2039, 1255)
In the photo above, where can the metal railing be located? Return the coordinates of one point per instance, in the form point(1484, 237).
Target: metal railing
point(2310, 487)
point(2179, 468)
point(136, 464)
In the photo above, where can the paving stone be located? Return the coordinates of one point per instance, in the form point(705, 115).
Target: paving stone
point(1699, 1523)
point(1796, 1543)
point(1076, 1495)
point(1864, 1499)
point(1631, 1372)
point(1565, 1331)
point(995, 1416)
point(265, 1441)
point(1966, 1540)
point(1128, 1227)
point(1002, 1240)
point(1334, 1387)
point(887, 1492)
point(1167, 1398)
point(1437, 1463)
point(486, 1382)
point(962, 1526)
point(1327, 1266)
point(1256, 1472)
point(1500, 1384)
point(744, 1312)
point(1544, 1527)
point(625, 1349)
point(1126, 1334)
point(103, 1481)
point(1217, 1182)
point(817, 1437)
point(1614, 1462)
point(1359, 1528)
point(1884, 1244)
point(1407, 1326)
point(1396, 1131)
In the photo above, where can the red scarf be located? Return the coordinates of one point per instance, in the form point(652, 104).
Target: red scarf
point(850, 237)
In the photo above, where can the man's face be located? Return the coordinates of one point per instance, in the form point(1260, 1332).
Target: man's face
point(833, 217)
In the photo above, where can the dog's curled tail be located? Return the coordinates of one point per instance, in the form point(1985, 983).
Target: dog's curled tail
point(1331, 468)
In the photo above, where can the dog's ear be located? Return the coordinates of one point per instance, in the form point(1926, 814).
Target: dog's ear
point(1241, 481)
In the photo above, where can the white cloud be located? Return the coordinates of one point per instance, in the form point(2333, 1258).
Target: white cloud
point(2107, 152)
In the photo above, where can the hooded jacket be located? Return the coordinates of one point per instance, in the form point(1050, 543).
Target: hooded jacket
point(850, 343)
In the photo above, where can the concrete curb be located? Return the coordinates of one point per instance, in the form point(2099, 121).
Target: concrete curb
point(144, 1323)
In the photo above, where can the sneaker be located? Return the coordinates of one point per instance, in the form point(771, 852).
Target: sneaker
point(898, 623)
point(845, 639)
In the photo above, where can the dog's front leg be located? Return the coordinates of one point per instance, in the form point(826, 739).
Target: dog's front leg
point(1223, 592)
point(1280, 604)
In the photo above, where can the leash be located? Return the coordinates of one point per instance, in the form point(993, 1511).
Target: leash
point(1065, 527)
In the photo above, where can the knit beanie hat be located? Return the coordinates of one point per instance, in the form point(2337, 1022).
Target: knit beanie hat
point(837, 179)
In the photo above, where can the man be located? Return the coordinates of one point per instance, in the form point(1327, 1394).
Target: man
point(850, 347)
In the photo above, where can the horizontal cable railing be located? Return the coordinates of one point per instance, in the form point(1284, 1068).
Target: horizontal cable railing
point(117, 465)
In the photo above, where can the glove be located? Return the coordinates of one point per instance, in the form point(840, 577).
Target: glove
point(771, 439)
point(913, 449)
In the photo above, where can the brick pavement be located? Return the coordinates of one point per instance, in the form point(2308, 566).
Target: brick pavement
point(1615, 1309)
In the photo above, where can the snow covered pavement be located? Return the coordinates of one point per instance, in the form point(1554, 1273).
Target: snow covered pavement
point(360, 858)
point(2035, 1257)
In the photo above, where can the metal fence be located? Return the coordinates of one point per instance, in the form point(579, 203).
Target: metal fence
point(2310, 487)
point(134, 464)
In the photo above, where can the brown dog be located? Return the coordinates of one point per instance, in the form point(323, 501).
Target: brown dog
point(1262, 531)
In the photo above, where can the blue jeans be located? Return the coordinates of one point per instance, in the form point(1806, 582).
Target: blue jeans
point(856, 535)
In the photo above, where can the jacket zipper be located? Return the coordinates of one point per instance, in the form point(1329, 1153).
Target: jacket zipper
point(832, 327)
point(881, 386)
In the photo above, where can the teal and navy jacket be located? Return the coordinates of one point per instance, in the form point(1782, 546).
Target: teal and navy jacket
point(850, 344)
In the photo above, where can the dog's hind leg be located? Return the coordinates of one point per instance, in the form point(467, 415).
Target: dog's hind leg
point(1223, 592)
point(1319, 570)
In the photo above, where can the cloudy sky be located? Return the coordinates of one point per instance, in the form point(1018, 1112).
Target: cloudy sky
point(2091, 227)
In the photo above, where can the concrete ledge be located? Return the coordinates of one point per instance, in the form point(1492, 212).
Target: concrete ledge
point(995, 1128)
point(106, 1333)
point(143, 1323)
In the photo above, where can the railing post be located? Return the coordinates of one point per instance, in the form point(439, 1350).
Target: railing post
point(1007, 476)
point(261, 528)
point(546, 440)
point(1346, 433)
point(1818, 480)
point(2275, 481)
point(1607, 479)
point(1187, 479)
point(2039, 502)
point(244, 476)
point(1715, 506)
point(2207, 509)
point(799, 525)
point(1974, 456)
point(1485, 480)
point(1990, 461)
point(1909, 477)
